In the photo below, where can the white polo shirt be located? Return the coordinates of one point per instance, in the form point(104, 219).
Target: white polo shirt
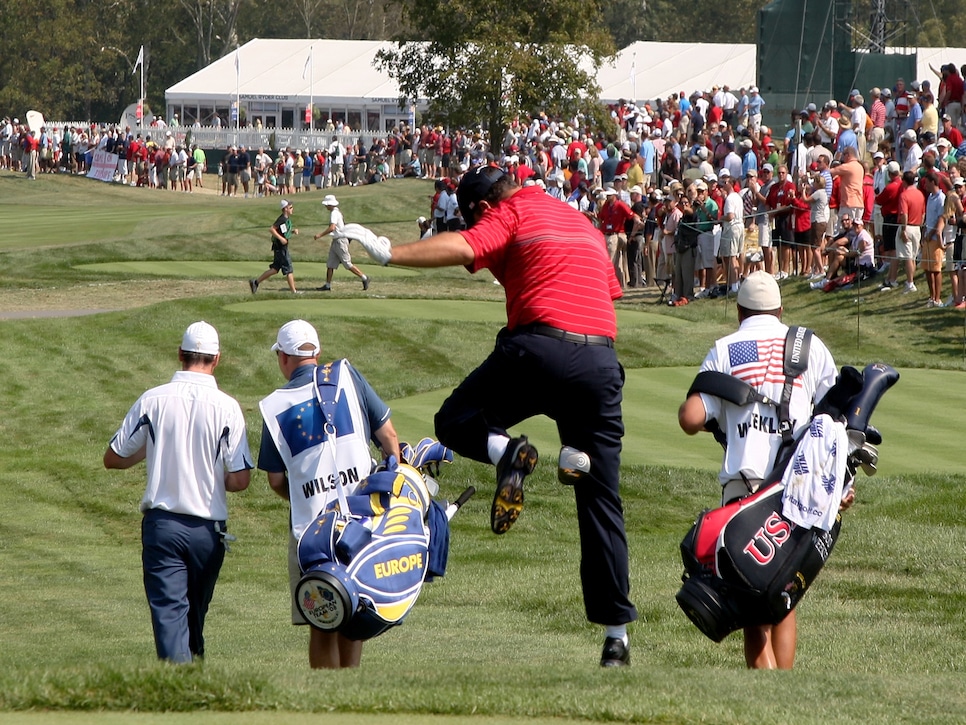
point(755, 354)
point(193, 433)
point(336, 218)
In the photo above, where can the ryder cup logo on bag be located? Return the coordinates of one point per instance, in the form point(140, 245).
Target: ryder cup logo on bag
point(320, 605)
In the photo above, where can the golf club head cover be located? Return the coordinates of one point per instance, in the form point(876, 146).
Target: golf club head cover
point(877, 379)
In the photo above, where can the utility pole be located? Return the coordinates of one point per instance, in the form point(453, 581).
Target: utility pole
point(877, 29)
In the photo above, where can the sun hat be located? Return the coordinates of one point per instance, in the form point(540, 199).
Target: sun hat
point(759, 292)
point(200, 337)
point(330, 200)
point(297, 338)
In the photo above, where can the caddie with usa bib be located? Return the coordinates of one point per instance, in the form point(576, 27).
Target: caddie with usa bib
point(751, 561)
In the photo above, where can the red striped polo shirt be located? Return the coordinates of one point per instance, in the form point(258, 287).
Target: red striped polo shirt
point(551, 261)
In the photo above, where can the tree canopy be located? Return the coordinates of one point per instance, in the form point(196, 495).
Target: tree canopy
point(490, 60)
point(474, 60)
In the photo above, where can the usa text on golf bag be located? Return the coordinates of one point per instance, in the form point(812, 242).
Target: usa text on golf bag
point(748, 563)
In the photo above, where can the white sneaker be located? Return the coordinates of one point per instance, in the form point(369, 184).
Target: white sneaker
point(910, 287)
point(781, 275)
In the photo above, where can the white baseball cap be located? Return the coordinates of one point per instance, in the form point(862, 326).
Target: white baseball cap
point(284, 203)
point(297, 338)
point(330, 200)
point(200, 337)
point(759, 292)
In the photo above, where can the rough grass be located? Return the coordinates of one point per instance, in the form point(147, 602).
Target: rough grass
point(502, 637)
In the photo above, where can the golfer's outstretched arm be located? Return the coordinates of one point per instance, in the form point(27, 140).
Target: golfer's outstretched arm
point(448, 249)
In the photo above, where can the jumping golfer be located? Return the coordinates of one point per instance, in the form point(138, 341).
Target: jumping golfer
point(339, 249)
point(755, 354)
point(556, 357)
point(282, 231)
point(193, 438)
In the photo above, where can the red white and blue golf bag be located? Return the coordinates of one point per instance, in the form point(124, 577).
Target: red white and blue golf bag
point(745, 563)
point(364, 560)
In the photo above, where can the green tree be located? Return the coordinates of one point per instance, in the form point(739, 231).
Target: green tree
point(340, 19)
point(496, 59)
point(213, 25)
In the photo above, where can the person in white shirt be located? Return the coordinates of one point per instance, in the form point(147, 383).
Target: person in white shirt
point(337, 162)
point(339, 249)
point(193, 439)
point(912, 157)
point(732, 235)
point(755, 354)
point(6, 141)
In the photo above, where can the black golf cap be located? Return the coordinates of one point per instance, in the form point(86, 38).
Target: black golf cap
point(475, 185)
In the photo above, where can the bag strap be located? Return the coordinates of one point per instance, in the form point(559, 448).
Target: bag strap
point(797, 343)
point(326, 386)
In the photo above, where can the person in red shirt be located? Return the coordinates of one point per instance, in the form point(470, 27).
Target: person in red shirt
point(912, 213)
point(951, 132)
point(715, 114)
point(31, 147)
point(802, 224)
point(781, 195)
point(951, 93)
point(868, 198)
point(888, 201)
point(554, 357)
point(613, 216)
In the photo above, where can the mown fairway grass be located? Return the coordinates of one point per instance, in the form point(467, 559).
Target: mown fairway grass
point(501, 639)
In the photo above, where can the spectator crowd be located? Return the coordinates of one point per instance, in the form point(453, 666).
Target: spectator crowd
point(691, 192)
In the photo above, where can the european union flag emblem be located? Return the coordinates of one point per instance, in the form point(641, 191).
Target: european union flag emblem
point(302, 426)
point(742, 353)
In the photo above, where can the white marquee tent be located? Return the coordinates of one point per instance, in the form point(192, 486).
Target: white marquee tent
point(276, 79)
point(649, 70)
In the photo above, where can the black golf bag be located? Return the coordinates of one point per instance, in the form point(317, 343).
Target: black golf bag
point(745, 563)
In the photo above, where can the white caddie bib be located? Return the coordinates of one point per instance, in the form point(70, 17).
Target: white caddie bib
point(314, 459)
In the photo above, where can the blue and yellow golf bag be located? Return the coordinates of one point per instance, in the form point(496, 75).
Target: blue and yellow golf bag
point(365, 558)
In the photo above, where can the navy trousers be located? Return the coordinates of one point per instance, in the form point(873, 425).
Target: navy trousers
point(181, 556)
point(579, 387)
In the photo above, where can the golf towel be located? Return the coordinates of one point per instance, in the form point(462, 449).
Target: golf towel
point(815, 478)
point(379, 248)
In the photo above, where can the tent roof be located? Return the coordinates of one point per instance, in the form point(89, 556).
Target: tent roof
point(343, 71)
point(270, 68)
point(648, 70)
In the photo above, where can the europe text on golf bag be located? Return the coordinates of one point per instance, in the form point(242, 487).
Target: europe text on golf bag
point(365, 559)
point(748, 562)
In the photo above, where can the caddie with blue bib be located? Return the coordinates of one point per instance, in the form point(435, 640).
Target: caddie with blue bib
point(316, 434)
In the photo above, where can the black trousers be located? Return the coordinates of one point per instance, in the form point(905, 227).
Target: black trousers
point(579, 387)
